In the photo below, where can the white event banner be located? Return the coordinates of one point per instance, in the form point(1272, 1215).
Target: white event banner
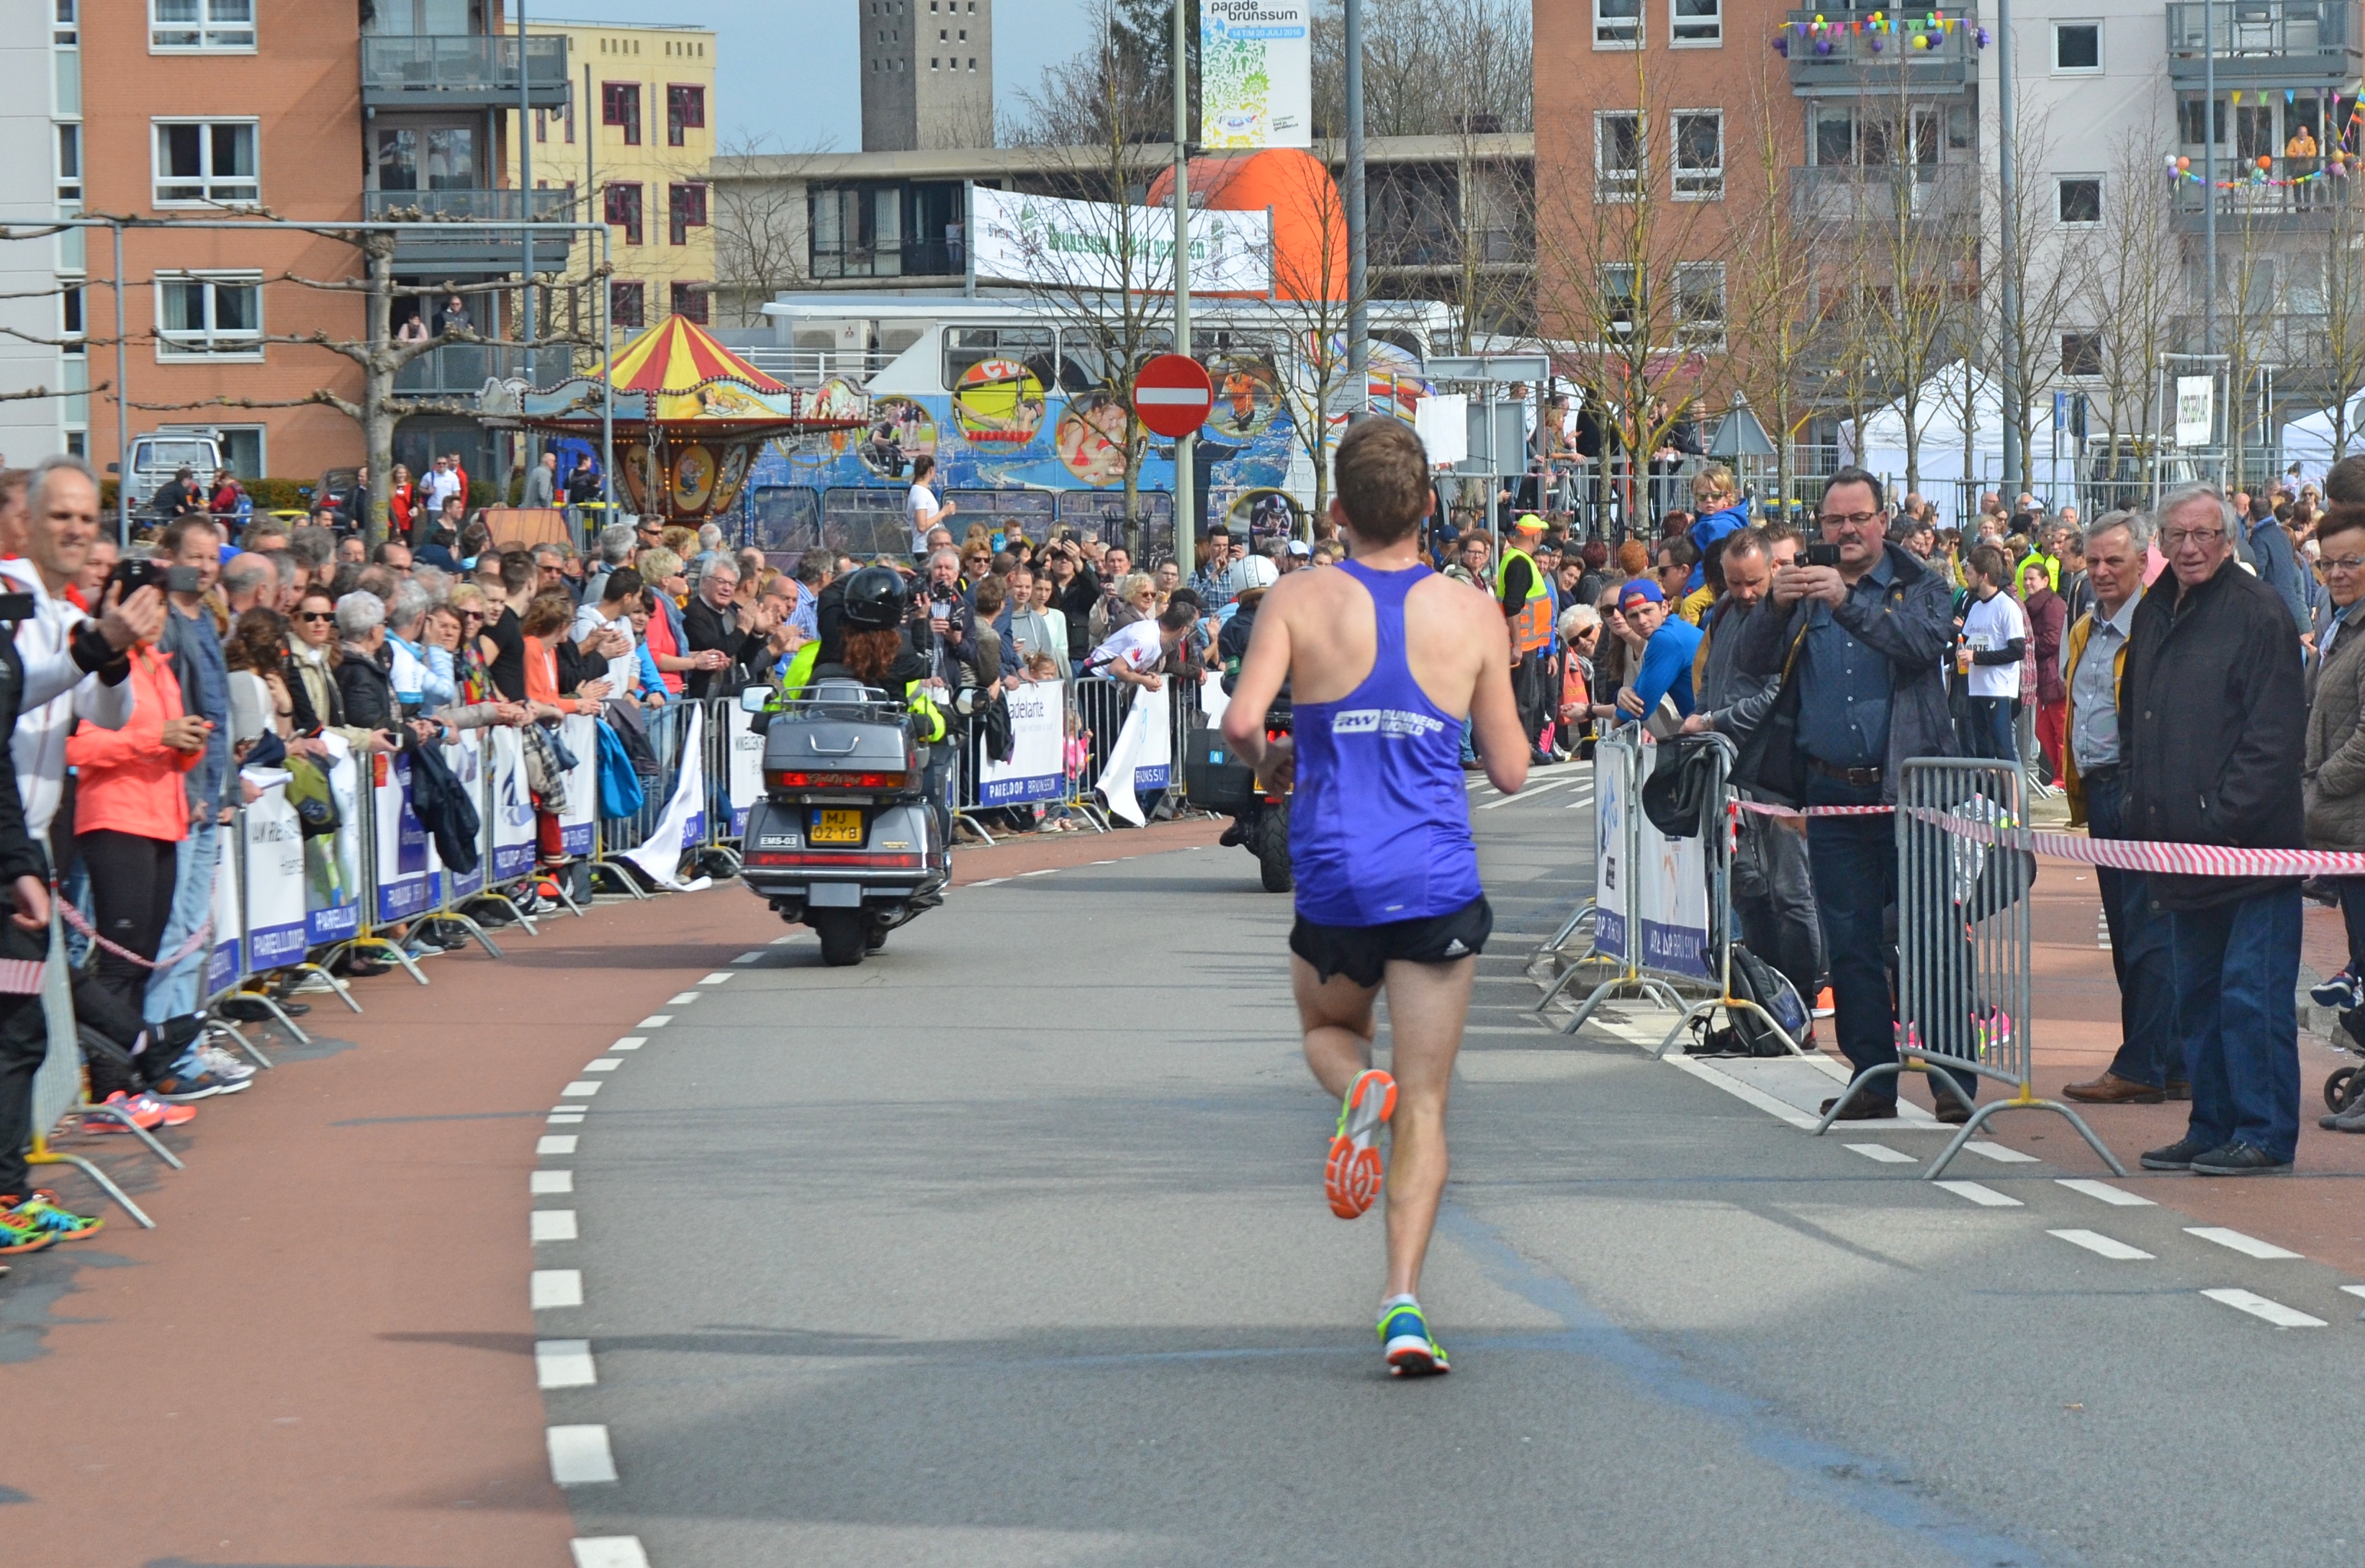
point(1038, 737)
point(1095, 245)
point(1256, 73)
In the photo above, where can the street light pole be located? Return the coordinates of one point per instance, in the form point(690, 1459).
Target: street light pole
point(2008, 198)
point(1359, 316)
point(1185, 513)
point(525, 184)
point(2209, 172)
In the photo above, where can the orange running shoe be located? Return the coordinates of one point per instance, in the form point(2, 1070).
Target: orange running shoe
point(1352, 1177)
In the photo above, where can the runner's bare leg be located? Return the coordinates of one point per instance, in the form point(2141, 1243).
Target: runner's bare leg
point(1427, 1004)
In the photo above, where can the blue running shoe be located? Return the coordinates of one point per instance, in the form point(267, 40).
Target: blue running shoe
point(2340, 991)
point(1404, 1341)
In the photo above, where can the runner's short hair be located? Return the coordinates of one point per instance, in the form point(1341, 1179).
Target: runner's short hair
point(1988, 561)
point(1383, 479)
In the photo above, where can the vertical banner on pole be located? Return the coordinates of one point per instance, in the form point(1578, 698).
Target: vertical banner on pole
point(580, 733)
point(1035, 771)
point(744, 781)
point(277, 873)
point(222, 963)
point(1670, 893)
point(333, 862)
point(1256, 73)
point(463, 754)
point(406, 883)
point(1611, 805)
point(680, 825)
point(510, 810)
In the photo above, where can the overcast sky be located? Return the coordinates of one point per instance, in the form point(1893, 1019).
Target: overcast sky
point(787, 72)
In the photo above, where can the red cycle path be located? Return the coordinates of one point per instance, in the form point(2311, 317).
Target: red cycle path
point(324, 1353)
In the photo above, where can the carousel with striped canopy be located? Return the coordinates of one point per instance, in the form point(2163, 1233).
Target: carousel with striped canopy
point(690, 418)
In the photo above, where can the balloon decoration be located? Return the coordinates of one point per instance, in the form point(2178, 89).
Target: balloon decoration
point(2340, 159)
point(1923, 32)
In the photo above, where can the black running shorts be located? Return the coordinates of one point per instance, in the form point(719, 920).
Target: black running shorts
point(1363, 952)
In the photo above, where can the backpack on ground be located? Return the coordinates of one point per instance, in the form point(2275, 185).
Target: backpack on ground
point(1747, 1034)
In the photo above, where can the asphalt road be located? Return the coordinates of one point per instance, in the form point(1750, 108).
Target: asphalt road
point(1008, 1248)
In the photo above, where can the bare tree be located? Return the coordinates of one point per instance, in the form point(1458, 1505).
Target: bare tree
point(1114, 88)
point(2043, 270)
point(2129, 287)
point(1313, 302)
point(1430, 67)
point(759, 222)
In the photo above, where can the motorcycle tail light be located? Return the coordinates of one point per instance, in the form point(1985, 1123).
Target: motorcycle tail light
point(796, 778)
point(823, 857)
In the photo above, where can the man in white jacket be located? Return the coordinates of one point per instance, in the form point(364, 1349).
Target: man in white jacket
point(75, 669)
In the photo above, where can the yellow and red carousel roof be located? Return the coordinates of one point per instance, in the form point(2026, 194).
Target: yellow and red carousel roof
point(677, 374)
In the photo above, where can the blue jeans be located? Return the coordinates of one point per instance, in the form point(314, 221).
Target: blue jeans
point(172, 992)
point(1855, 861)
point(2236, 968)
point(2151, 1052)
point(1990, 729)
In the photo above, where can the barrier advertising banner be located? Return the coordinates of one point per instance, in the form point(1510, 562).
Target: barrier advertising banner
point(333, 862)
point(277, 880)
point(680, 825)
point(1671, 898)
point(1035, 771)
point(1256, 73)
point(1611, 805)
point(1095, 245)
point(464, 755)
point(744, 782)
point(1141, 757)
point(221, 964)
point(509, 826)
point(405, 885)
point(580, 733)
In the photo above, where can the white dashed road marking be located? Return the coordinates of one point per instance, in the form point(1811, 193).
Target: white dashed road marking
point(654, 1021)
point(579, 1456)
point(2249, 1245)
point(1530, 793)
point(564, 1363)
point(1045, 872)
point(1985, 1197)
point(542, 1182)
point(570, 1117)
point(2119, 1196)
point(1999, 1153)
point(630, 1043)
point(2096, 1242)
point(579, 1090)
point(609, 1551)
point(717, 978)
point(557, 1287)
point(781, 941)
point(749, 958)
point(556, 1143)
point(684, 1000)
point(554, 1225)
point(988, 882)
point(1883, 1153)
point(2256, 1306)
point(605, 1064)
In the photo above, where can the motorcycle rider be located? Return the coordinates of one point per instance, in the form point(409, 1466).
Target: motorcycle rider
point(875, 651)
point(1231, 646)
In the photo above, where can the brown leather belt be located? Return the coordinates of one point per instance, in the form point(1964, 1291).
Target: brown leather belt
point(1857, 778)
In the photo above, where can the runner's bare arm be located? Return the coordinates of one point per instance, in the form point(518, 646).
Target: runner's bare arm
point(1497, 736)
point(1263, 668)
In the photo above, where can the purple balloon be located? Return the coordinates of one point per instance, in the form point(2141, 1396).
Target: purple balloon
point(1782, 47)
point(1823, 46)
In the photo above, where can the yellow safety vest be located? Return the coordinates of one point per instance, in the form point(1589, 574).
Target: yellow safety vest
point(1531, 628)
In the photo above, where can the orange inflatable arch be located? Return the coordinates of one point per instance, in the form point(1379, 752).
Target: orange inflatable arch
point(1309, 221)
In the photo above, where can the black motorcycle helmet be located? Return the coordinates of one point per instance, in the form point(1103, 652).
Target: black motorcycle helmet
point(875, 600)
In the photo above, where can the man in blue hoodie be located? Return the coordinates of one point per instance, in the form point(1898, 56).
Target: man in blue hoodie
point(1716, 503)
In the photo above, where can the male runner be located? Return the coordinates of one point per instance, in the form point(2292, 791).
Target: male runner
point(1386, 660)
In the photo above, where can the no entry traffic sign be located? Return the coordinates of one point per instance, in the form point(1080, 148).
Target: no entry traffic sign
point(1172, 393)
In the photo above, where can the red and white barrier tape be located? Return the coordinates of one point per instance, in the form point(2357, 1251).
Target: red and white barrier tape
point(2119, 854)
point(198, 939)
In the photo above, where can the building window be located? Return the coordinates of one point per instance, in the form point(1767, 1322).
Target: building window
point(206, 162)
point(70, 319)
point(1695, 23)
point(627, 304)
point(2081, 353)
point(1619, 307)
point(623, 212)
point(2077, 46)
point(1699, 305)
point(685, 110)
point(177, 27)
point(689, 301)
point(619, 105)
point(684, 210)
point(66, 32)
point(208, 315)
point(1699, 154)
point(2080, 198)
point(564, 116)
point(1617, 24)
point(241, 450)
point(2190, 115)
point(1616, 156)
point(70, 164)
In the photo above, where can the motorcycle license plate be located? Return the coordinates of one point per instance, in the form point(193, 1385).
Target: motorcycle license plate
point(837, 826)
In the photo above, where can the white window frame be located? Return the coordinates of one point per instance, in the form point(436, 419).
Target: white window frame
point(67, 146)
point(2101, 348)
point(2054, 60)
point(1631, 294)
point(1689, 335)
point(212, 197)
point(1620, 32)
point(1695, 184)
point(1695, 32)
point(1619, 185)
point(206, 34)
point(215, 347)
point(2101, 195)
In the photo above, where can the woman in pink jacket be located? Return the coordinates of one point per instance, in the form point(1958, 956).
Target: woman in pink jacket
point(130, 812)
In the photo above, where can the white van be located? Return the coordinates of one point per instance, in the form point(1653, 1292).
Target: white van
point(157, 457)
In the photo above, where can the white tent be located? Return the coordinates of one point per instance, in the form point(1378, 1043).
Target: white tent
point(2308, 441)
point(1880, 446)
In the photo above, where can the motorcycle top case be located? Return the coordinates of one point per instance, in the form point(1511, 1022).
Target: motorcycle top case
point(1213, 778)
point(820, 743)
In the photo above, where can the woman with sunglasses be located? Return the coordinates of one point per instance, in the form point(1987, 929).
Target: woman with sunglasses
point(316, 707)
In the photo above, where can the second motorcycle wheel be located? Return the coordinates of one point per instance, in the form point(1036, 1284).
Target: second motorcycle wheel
point(1272, 850)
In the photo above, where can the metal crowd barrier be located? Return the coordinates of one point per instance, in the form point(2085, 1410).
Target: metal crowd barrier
point(1046, 718)
point(1962, 942)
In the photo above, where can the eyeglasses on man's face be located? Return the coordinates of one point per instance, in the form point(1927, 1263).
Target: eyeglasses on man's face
point(1848, 518)
point(2178, 538)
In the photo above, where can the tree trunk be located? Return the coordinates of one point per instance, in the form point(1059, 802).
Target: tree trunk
point(378, 383)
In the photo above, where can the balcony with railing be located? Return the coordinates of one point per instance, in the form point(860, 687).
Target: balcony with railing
point(908, 258)
point(2287, 195)
point(489, 248)
point(461, 71)
point(2264, 43)
point(1843, 54)
point(461, 370)
point(1837, 195)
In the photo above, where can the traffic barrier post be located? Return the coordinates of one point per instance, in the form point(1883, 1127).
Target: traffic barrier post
point(1964, 942)
point(1618, 775)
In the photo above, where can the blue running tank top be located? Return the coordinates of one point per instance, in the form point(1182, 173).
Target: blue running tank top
point(1379, 826)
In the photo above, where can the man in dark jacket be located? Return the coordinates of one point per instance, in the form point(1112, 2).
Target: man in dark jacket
point(2214, 712)
point(725, 638)
point(1859, 650)
point(2277, 563)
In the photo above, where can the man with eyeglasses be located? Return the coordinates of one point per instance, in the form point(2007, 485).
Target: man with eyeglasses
point(2212, 721)
point(1860, 649)
point(2334, 779)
